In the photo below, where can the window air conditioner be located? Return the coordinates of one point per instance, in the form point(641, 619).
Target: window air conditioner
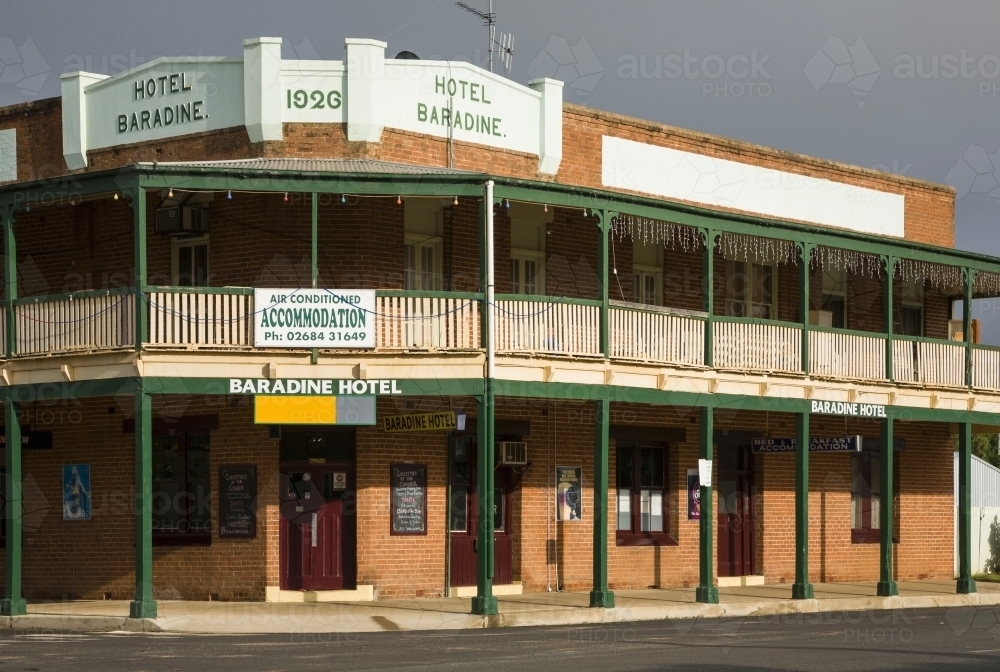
point(181, 220)
point(513, 453)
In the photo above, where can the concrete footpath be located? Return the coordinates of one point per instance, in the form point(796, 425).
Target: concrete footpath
point(519, 610)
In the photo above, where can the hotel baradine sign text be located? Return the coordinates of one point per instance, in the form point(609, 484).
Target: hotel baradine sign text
point(178, 96)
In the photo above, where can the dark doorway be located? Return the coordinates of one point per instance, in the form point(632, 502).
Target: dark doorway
point(735, 518)
point(465, 516)
point(318, 530)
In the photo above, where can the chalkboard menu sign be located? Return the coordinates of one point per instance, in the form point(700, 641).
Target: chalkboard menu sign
point(408, 498)
point(238, 500)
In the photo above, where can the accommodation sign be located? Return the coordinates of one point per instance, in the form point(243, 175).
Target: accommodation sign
point(314, 318)
point(818, 444)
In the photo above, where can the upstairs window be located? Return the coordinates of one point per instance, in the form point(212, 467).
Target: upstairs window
point(835, 297)
point(911, 309)
point(751, 290)
point(190, 261)
point(423, 243)
point(527, 257)
point(647, 273)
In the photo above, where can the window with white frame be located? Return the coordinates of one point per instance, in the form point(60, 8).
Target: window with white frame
point(751, 289)
point(189, 259)
point(647, 273)
point(911, 309)
point(527, 257)
point(835, 297)
point(423, 244)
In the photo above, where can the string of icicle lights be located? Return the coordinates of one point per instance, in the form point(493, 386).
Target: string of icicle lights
point(939, 275)
point(657, 232)
point(858, 263)
point(741, 247)
point(986, 284)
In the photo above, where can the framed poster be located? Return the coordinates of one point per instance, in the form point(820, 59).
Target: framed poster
point(408, 499)
point(238, 500)
point(76, 492)
point(569, 493)
point(694, 495)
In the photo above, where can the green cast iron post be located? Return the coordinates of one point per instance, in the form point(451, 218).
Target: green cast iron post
point(314, 251)
point(600, 596)
point(805, 249)
point(707, 591)
point(709, 264)
point(13, 604)
point(141, 307)
point(969, 277)
point(10, 277)
point(603, 227)
point(886, 586)
point(890, 269)
point(143, 606)
point(802, 589)
point(966, 584)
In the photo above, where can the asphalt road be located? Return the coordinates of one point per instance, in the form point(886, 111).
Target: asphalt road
point(923, 639)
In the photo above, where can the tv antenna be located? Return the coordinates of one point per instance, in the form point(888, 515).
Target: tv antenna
point(504, 47)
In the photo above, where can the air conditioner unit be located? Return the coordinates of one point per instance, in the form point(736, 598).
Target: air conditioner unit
point(513, 452)
point(181, 220)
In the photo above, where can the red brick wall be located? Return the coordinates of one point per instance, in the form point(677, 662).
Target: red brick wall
point(928, 210)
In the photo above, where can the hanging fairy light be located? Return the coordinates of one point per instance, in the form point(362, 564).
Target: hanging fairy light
point(939, 276)
point(836, 259)
point(986, 284)
point(741, 247)
point(656, 232)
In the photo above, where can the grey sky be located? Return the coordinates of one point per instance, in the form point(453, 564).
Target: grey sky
point(857, 103)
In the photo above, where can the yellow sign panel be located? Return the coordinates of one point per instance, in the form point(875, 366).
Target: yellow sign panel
point(295, 410)
point(419, 422)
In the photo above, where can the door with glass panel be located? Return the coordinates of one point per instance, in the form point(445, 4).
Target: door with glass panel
point(735, 517)
point(464, 517)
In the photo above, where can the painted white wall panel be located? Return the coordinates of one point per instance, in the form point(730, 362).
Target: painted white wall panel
point(686, 176)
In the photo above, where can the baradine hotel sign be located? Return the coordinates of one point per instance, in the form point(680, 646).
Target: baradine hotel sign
point(179, 96)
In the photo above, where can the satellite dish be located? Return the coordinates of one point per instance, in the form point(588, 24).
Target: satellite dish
point(407, 56)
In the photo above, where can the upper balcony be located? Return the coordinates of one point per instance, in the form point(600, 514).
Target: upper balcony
point(595, 280)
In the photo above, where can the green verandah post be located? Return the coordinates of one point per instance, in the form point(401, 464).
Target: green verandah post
point(707, 592)
point(802, 589)
point(12, 604)
point(143, 606)
point(966, 584)
point(600, 596)
point(886, 586)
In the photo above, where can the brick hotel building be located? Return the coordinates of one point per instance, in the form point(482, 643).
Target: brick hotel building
point(376, 328)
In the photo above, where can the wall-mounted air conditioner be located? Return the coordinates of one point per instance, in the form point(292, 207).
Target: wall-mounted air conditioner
point(513, 453)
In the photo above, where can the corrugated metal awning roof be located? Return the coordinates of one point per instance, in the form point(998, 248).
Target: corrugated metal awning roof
point(293, 165)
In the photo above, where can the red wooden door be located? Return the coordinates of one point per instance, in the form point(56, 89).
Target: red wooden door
point(465, 518)
point(735, 517)
point(318, 530)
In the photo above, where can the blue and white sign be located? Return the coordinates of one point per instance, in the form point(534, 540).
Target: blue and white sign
point(76, 492)
point(819, 444)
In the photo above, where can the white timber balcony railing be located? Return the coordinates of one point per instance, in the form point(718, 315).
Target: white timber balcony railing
point(548, 325)
point(201, 317)
point(656, 335)
point(447, 321)
point(986, 367)
point(838, 353)
point(921, 360)
point(79, 321)
point(756, 345)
